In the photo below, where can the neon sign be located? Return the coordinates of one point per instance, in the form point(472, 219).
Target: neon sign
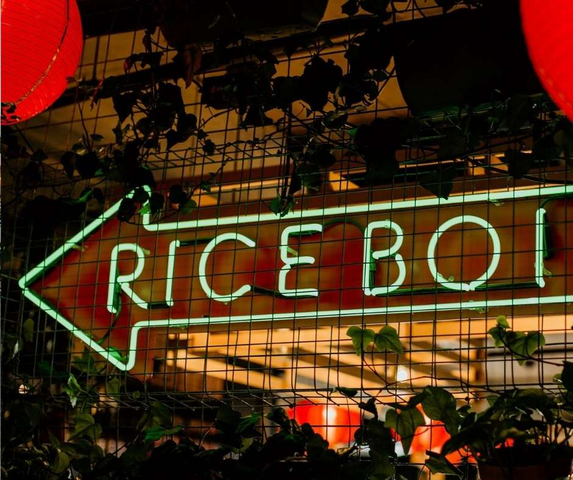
point(422, 257)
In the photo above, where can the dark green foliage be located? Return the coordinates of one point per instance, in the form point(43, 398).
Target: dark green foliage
point(319, 78)
point(440, 405)
point(282, 205)
point(405, 422)
point(440, 464)
point(385, 340)
point(518, 163)
point(377, 143)
point(441, 181)
point(123, 104)
point(359, 53)
point(127, 209)
point(375, 7)
point(143, 459)
point(520, 344)
point(177, 195)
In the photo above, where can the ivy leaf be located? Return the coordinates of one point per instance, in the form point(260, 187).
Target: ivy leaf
point(85, 426)
point(321, 156)
point(127, 209)
point(387, 340)
point(440, 182)
point(335, 120)
point(188, 206)
point(405, 424)
point(186, 124)
point(521, 345)
point(361, 338)
point(157, 415)
point(350, 8)
point(177, 195)
point(112, 387)
point(173, 138)
point(87, 165)
point(227, 419)
point(156, 202)
point(160, 414)
point(502, 321)
point(437, 463)
point(246, 424)
point(369, 406)
point(347, 392)
point(123, 104)
point(310, 176)
point(60, 463)
point(28, 328)
point(96, 137)
point(279, 416)
point(144, 177)
point(377, 143)
point(119, 132)
point(498, 335)
point(518, 163)
point(440, 405)
point(525, 346)
point(209, 147)
point(382, 468)
point(155, 433)
point(140, 195)
point(282, 206)
point(145, 209)
point(375, 39)
point(318, 79)
point(355, 86)
point(79, 148)
point(72, 389)
point(85, 196)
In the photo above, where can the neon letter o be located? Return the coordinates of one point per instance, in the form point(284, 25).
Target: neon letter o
point(434, 243)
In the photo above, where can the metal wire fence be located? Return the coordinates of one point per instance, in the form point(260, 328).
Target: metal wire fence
point(176, 332)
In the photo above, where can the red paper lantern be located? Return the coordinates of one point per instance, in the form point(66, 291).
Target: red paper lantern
point(548, 29)
point(41, 47)
point(335, 424)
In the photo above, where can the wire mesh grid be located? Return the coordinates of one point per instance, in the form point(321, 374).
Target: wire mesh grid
point(253, 363)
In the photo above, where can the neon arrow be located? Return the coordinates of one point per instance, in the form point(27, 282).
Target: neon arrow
point(127, 363)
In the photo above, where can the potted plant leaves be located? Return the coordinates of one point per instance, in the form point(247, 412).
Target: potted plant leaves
point(524, 434)
point(521, 436)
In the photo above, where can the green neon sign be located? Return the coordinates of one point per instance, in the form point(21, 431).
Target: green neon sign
point(123, 281)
